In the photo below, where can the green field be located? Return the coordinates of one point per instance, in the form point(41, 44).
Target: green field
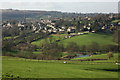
point(86, 39)
point(101, 56)
point(53, 37)
point(26, 68)
point(57, 69)
point(116, 20)
point(10, 37)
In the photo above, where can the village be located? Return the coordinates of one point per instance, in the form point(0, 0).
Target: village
point(80, 26)
point(55, 44)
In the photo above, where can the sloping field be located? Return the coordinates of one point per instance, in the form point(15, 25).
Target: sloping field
point(52, 37)
point(85, 39)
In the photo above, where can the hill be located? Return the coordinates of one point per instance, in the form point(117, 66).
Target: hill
point(11, 14)
point(86, 39)
point(54, 37)
point(101, 39)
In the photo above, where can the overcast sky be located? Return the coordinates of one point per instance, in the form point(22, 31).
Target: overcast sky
point(59, 0)
point(84, 6)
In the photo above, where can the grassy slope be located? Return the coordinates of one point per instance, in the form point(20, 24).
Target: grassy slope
point(54, 37)
point(116, 20)
point(101, 56)
point(89, 38)
point(84, 39)
point(56, 69)
point(10, 37)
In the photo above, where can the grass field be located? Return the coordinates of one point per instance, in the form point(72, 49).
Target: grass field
point(26, 68)
point(10, 37)
point(116, 20)
point(57, 69)
point(101, 39)
point(54, 37)
point(87, 39)
point(101, 56)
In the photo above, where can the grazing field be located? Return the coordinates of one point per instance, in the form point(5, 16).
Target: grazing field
point(19, 67)
point(10, 37)
point(116, 20)
point(86, 39)
point(101, 56)
point(53, 37)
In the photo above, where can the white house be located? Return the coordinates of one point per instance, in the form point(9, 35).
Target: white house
point(71, 29)
point(20, 25)
point(103, 27)
point(9, 25)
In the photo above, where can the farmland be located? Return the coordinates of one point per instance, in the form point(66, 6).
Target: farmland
point(101, 56)
point(86, 39)
point(53, 44)
point(32, 68)
point(26, 68)
point(53, 37)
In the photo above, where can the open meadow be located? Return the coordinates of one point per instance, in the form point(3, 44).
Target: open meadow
point(26, 68)
point(86, 39)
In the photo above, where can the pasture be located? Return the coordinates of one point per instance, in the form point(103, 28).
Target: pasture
point(14, 67)
point(116, 20)
point(10, 37)
point(101, 56)
point(26, 68)
point(52, 37)
point(86, 39)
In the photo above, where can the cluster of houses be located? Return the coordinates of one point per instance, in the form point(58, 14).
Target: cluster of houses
point(47, 26)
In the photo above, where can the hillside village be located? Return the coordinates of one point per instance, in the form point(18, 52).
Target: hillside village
point(60, 40)
point(85, 24)
point(21, 34)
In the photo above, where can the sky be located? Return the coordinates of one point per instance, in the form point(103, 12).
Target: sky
point(77, 6)
point(59, 0)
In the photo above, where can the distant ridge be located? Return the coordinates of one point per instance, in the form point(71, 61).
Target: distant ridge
point(14, 14)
